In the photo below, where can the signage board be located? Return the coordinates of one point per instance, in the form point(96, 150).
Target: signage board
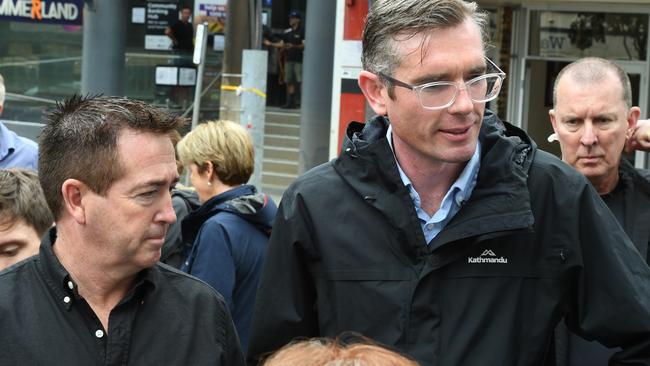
point(66, 12)
point(159, 15)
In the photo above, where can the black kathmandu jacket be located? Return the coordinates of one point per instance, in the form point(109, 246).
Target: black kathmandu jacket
point(534, 243)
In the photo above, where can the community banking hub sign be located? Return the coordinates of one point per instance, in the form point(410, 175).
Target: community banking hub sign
point(42, 11)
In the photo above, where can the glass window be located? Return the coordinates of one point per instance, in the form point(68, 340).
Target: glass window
point(615, 36)
point(41, 62)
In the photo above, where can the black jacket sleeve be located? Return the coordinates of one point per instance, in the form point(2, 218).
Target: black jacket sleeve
point(285, 302)
point(611, 301)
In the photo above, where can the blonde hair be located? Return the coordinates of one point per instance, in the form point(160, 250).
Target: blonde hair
point(326, 352)
point(225, 144)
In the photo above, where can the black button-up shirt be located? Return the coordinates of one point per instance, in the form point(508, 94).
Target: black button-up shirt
point(167, 318)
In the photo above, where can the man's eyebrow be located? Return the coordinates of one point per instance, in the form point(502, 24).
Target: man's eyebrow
point(479, 69)
point(429, 78)
point(569, 117)
point(610, 115)
point(155, 183)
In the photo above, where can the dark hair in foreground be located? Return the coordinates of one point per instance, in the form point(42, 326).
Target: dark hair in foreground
point(79, 141)
point(21, 198)
point(328, 352)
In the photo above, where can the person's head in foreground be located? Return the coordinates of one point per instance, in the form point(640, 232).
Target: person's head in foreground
point(327, 352)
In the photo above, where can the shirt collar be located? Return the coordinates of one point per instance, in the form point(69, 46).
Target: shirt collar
point(60, 282)
point(463, 185)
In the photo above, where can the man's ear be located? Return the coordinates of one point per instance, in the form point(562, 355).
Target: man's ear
point(551, 116)
point(374, 90)
point(74, 191)
point(632, 118)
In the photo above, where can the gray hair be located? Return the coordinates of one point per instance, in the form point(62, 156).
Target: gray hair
point(591, 70)
point(388, 19)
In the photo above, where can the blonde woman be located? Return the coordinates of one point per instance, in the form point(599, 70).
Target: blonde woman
point(230, 230)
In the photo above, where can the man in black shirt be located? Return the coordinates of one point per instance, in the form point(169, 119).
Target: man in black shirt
point(593, 117)
point(182, 31)
point(95, 294)
point(293, 46)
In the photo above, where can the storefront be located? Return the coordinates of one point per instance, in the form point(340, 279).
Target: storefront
point(40, 59)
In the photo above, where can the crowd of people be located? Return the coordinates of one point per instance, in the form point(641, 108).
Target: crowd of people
point(441, 235)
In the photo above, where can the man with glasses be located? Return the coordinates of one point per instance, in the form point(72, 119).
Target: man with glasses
point(440, 230)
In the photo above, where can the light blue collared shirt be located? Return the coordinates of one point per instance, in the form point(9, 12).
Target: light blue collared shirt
point(17, 151)
point(458, 193)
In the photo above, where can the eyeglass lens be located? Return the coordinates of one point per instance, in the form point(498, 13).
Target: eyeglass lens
point(481, 89)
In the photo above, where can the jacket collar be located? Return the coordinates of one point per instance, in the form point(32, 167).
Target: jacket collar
point(244, 201)
point(500, 201)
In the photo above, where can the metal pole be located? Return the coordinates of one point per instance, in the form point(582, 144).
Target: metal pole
point(253, 105)
point(237, 40)
point(199, 59)
point(317, 84)
point(104, 37)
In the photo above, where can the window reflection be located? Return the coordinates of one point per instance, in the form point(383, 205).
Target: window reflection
point(617, 36)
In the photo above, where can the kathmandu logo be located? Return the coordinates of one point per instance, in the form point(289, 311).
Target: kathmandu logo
point(487, 256)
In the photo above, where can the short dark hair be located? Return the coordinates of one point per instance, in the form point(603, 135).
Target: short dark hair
point(80, 137)
point(21, 198)
point(389, 21)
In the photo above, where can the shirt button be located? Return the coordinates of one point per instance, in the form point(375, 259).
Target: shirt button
point(70, 285)
point(429, 227)
point(99, 333)
point(66, 299)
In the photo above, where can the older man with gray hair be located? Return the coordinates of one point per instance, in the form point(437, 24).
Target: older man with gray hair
point(593, 119)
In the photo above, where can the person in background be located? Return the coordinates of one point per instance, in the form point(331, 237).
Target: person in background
point(440, 230)
point(593, 119)
point(293, 46)
point(230, 230)
point(96, 294)
point(184, 200)
point(182, 31)
point(24, 215)
point(15, 151)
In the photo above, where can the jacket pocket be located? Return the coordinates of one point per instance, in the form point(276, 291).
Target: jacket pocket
point(371, 302)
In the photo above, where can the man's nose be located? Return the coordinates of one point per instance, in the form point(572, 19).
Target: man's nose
point(463, 102)
point(589, 136)
point(167, 214)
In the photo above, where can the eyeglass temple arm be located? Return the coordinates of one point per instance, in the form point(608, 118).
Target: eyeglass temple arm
point(396, 82)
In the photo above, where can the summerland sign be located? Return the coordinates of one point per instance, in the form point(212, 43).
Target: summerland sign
point(42, 11)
